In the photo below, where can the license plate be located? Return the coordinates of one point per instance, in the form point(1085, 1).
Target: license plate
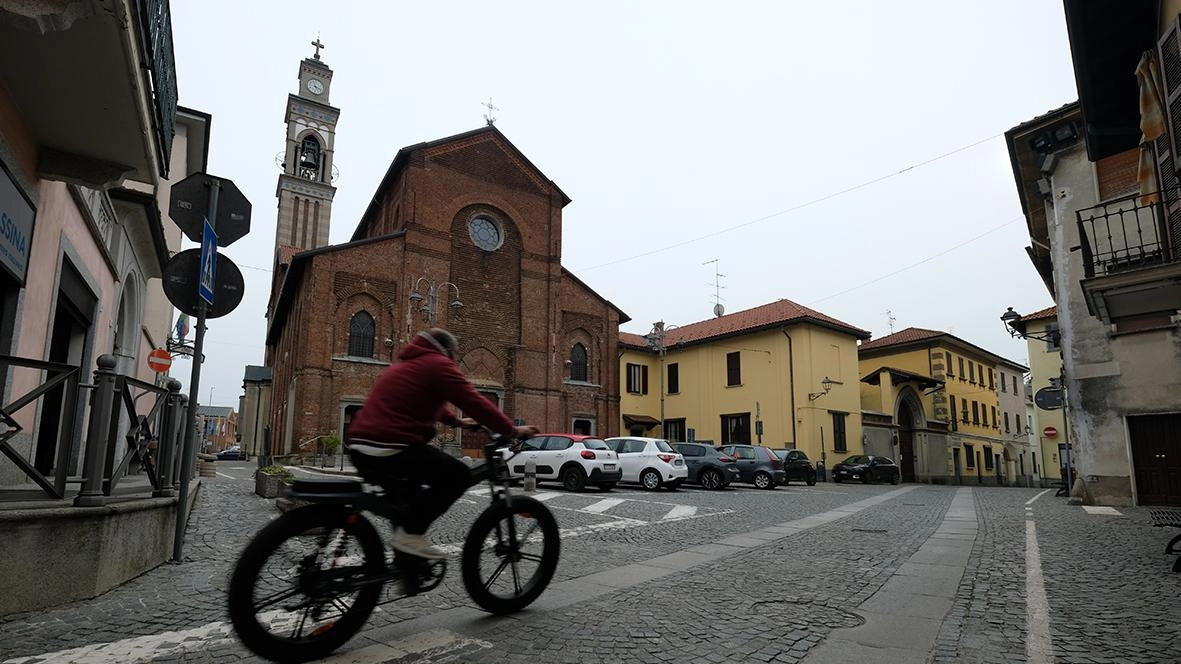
point(608, 466)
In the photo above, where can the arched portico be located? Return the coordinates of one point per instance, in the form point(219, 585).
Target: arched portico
point(909, 416)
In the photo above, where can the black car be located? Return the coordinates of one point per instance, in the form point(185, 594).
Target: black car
point(797, 465)
point(707, 466)
point(868, 469)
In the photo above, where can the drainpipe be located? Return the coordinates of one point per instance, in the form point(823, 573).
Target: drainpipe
point(791, 384)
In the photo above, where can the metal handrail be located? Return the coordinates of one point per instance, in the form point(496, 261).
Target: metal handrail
point(59, 375)
point(1128, 233)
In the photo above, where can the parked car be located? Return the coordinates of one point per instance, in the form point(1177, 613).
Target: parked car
point(757, 465)
point(572, 459)
point(707, 466)
point(650, 461)
point(230, 454)
point(797, 466)
point(868, 469)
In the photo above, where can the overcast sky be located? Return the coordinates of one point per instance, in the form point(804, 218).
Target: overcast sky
point(683, 131)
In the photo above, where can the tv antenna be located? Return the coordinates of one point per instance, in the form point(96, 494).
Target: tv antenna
point(718, 308)
point(890, 320)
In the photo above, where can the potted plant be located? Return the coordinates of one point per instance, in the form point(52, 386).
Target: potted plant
point(330, 444)
point(272, 481)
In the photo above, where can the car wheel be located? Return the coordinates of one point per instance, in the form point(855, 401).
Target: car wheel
point(606, 486)
point(764, 481)
point(812, 479)
point(711, 479)
point(573, 479)
point(650, 480)
point(896, 479)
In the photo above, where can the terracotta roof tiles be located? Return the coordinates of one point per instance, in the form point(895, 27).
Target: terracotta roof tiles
point(906, 336)
point(775, 313)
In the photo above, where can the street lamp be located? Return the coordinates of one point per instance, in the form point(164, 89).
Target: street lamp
point(1015, 326)
point(655, 340)
point(429, 304)
point(825, 385)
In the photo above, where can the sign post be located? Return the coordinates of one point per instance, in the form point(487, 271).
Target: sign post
point(188, 451)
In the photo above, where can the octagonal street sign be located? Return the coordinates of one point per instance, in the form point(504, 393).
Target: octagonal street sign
point(189, 206)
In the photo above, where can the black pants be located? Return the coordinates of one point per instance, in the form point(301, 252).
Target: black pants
point(446, 477)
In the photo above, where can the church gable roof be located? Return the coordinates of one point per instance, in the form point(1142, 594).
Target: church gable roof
point(485, 153)
point(567, 274)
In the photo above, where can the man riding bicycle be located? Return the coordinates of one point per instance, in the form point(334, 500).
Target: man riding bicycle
point(388, 436)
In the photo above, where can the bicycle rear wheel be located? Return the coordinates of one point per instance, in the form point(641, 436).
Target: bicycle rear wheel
point(296, 592)
point(510, 555)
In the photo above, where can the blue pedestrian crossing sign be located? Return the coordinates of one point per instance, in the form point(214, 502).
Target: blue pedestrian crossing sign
point(208, 280)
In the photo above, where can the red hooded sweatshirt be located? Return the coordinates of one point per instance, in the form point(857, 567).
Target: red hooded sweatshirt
point(412, 395)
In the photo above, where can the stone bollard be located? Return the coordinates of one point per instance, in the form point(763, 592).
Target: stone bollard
point(530, 476)
point(208, 469)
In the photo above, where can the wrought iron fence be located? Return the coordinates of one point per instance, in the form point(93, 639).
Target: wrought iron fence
point(1127, 233)
point(156, 36)
point(60, 380)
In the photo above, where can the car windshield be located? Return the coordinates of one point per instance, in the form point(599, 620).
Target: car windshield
point(595, 444)
point(854, 461)
point(782, 454)
point(663, 446)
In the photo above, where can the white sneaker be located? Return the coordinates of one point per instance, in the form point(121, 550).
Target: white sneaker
point(416, 545)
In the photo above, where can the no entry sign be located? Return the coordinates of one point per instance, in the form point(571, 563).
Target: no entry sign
point(1049, 432)
point(159, 360)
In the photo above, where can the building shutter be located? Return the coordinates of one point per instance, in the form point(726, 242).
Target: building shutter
point(1166, 147)
point(644, 379)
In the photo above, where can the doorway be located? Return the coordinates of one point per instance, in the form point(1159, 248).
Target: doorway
point(1156, 458)
point(959, 467)
point(906, 442)
point(67, 342)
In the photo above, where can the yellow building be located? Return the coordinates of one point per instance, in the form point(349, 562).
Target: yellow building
point(780, 375)
point(1045, 368)
point(930, 399)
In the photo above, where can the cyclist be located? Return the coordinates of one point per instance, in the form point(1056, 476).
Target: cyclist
point(388, 436)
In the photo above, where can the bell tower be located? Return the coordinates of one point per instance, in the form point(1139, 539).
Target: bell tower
point(305, 188)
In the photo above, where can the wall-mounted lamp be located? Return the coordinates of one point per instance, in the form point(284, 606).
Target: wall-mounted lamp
point(826, 386)
point(1015, 326)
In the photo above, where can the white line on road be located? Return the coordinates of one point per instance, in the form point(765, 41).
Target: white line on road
point(542, 497)
point(228, 477)
point(1038, 646)
point(680, 512)
point(603, 505)
point(1030, 501)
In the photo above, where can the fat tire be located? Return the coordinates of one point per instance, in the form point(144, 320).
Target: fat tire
point(474, 543)
point(240, 597)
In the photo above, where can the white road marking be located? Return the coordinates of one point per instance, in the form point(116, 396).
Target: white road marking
point(479, 491)
point(1038, 645)
point(1030, 501)
point(1102, 510)
point(228, 477)
point(680, 512)
point(543, 496)
point(603, 505)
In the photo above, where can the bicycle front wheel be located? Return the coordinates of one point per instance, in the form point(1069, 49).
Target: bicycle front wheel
point(306, 583)
point(510, 555)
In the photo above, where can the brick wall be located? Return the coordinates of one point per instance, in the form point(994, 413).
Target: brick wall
point(1117, 174)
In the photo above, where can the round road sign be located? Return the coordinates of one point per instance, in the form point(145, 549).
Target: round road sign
point(159, 360)
point(1049, 432)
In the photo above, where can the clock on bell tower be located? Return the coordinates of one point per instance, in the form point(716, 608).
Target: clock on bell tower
point(305, 189)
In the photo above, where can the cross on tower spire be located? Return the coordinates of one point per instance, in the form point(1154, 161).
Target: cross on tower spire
point(319, 45)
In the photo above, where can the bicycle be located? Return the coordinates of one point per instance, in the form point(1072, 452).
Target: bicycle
point(321, 593)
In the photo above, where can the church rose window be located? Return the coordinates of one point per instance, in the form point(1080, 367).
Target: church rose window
point(485, 233)
point(361, 335)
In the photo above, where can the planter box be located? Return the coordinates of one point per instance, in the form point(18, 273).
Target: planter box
point(268, 485)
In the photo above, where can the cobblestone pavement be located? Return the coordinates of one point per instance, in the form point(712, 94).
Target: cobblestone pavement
point(1111, 593)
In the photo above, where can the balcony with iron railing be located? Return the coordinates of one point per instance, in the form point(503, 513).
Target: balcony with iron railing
point(1131, 252)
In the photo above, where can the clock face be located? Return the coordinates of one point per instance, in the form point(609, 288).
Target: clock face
point(315, 86)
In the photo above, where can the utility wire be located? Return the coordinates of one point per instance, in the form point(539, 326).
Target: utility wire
point(928, 259)
point(794, 208)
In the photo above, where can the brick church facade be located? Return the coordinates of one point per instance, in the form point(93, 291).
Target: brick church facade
point(465, 233)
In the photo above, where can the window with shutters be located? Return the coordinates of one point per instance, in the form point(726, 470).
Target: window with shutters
point(1166, 147)
point(991, 383)
point(950, 374)
point(963, 374)
point(1004, 385)
point(970, 455)
point(975, 412)
point(838, 432)
point(987, 457)
point(637, 379)
point(733, 369)
point(361, 335)
point(994, 425)
point(674, 378)
point(954, 416)
point(578, 363)
point(736, 428)
point(1006, 423)
point(972, 372)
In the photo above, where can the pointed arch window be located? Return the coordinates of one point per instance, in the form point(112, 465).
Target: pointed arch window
point(361, 335)
point(309, 158)
point(578, 363)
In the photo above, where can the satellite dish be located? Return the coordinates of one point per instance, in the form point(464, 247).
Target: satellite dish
point(719, 309)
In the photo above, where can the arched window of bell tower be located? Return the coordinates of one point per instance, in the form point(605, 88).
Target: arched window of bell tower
point(309, 158)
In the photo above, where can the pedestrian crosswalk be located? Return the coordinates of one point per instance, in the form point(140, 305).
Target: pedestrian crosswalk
point(622, 511)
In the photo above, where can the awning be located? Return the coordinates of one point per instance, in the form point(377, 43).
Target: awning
point(644, 420)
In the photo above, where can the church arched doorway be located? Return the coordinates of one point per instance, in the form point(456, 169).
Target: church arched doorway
point(908, 418)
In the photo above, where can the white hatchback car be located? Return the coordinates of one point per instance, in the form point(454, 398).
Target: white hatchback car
point(572, 459)
point(650, 461)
